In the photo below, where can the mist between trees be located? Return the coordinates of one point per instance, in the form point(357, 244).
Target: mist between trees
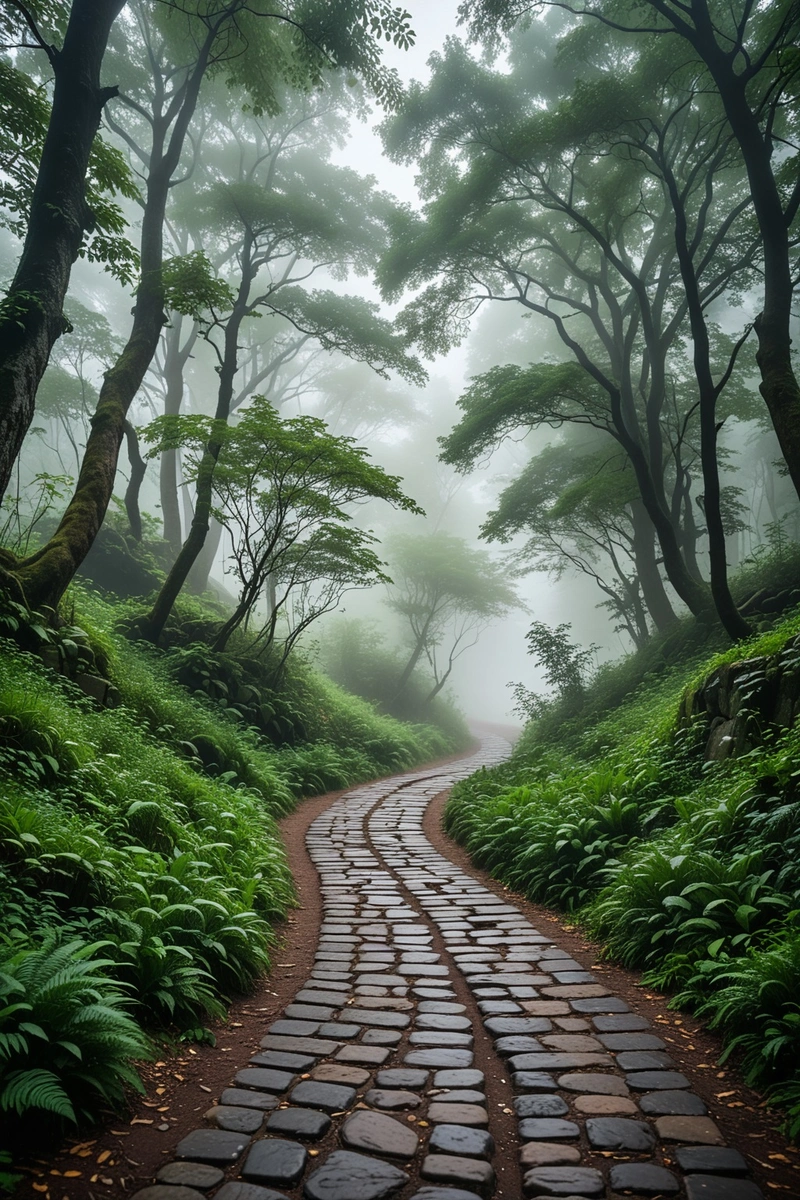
point(202, 377)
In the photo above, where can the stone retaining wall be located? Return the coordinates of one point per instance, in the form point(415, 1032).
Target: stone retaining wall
point(740, 699)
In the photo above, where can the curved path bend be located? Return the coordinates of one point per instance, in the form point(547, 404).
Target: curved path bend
point(378, 1080)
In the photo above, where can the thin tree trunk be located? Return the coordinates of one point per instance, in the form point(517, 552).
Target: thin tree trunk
point(416, 655)
point(197, 580)
point(138, 469)
point(690, 534)
point(175, 360)
point(732, 620)
point(31, 319)
point(653, 591)
point(694, 594)
point(152, 626)
point(168, 466)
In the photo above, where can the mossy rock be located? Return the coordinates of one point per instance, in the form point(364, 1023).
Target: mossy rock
point(121, 565)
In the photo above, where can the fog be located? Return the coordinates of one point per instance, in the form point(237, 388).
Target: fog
point(373, 265)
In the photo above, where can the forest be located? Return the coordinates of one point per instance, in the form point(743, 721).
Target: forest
point(365, 374)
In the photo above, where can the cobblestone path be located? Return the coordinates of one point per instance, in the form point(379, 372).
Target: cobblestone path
point(367, 1086)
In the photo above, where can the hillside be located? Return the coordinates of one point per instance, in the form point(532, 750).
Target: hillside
point(140, 868)
point(661, 809)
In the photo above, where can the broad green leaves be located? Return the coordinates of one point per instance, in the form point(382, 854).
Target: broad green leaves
point(284, 489)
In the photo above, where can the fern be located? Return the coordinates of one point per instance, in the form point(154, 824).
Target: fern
point(66, 1041)
point(22, 1091)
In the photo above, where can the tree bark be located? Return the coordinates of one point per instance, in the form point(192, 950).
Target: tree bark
point(31, 318)
point(168, 472)
point(45, 576)
point(692, 592)
point(138, 470)
point(416, 654)
point(151, 627)
point(779, 384)
point(175, 359)
point(732, 620)
point(197, 581)
point(653, 591)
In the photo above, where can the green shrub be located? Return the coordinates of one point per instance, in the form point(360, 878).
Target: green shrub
point(66, 1041)
point(689, 870)
point(754, 1001)
point(147, 833)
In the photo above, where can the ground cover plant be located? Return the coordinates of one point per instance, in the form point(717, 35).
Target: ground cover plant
point(141, 872)
point(684, 868)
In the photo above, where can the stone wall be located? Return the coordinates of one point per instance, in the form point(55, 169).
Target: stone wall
point(739, 700)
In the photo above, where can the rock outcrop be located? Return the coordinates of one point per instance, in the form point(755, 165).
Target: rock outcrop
point(739, 701)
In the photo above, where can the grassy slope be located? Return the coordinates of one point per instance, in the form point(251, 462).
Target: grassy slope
point(114, 836)
point(689, 870)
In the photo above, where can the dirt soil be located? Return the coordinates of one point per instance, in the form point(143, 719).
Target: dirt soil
point(116, 1158)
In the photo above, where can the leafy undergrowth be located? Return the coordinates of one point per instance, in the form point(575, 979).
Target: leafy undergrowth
point(689, 870)
point(141, 871)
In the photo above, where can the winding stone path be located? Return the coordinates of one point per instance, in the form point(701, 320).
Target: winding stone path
point(367, 1087)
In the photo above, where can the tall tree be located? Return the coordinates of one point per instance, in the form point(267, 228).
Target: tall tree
point(297, 45)
point(284, 490)
point(291, 216)
point(545, 203)
point(54, 212)
point(574, 505)
point(749, 54)
point(446, 594)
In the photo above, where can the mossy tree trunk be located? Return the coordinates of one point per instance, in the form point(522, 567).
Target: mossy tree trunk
point(31, 319)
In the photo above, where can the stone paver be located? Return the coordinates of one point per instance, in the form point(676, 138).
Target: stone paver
point(376, 1052)
point(188, 1174)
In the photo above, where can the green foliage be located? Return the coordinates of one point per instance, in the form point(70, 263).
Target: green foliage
point(284, 489)
point(66, 1041)
point(24, 117)
point(683, 868)
point(8, 1179)
point(355, 655)
point(192, 288)
point(139, 859)
point(554, 837)
point(19, 517)
point(564, 664)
